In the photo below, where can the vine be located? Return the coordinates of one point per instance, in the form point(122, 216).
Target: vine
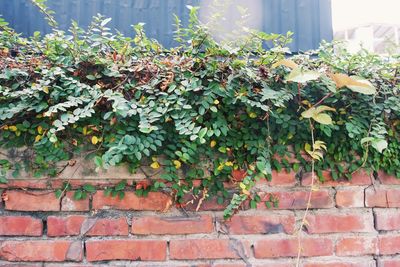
point(215, 111)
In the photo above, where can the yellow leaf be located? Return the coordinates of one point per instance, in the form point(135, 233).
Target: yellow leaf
point(252, 115)
point(17, 133)
point(220, 167)
point(216, 102)
point(354, 83)
point(12, 128)
point(45, 89)
point(38, 138)
point(155, 165)
point(323, 118)
point(213, 143)
point(40, 129)
point(177, 164)
point(242, 186)
point(95, 140)
point(246, 192)
point(229, 163)
point(84, 130)
point(285, 62)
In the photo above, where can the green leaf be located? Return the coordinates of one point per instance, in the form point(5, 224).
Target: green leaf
point(121, 185)
point(58, 193)
point(379, 144)
point(253, 204)
point(89, 188)
point(78, 194)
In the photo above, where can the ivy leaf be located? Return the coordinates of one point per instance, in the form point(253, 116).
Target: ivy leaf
point(89, 188)
point(302, 76)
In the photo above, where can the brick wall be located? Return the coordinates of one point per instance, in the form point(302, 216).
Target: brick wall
point(353, 223)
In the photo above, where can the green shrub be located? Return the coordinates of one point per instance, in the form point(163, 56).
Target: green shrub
point(202, 106)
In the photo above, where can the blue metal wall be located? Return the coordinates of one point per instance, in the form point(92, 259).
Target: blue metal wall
point(310, 20)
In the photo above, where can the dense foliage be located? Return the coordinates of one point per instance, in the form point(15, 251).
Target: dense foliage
point(208, 109)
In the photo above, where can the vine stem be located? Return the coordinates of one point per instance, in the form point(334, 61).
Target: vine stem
point(304, 219)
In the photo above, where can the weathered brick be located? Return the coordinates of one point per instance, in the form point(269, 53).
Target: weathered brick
point(389, 262)
point(26, 183)
point(192, 249)
point(350, 198)
point(209, 204)
point(341, 263)
point(387, 219)
point(387, 179)
point(155, 201)
point(282, 178)
point(389, 244)
point(382, 198)
point(68, 203)
point(41, 250)
point(81, 225)
point(339, 223)
point(65, 226)
point(298, 199)
point(138, 250)
point(288, 247)
point(260, 224)
point(32, 201)
point(359, 178)
point(149, 225)
point(106, 227)
point(20, 225)
point(356, 246)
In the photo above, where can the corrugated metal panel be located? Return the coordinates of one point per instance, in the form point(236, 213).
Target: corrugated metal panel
point(310, 20)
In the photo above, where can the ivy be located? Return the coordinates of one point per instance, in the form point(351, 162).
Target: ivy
point(203, 110)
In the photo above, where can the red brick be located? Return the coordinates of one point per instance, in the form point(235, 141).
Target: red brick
point(41, 250)
point(387, 219)
point(65, 226)
point(257, 224)
point(152, 225)
point(206, 249)
point(339, 223)
point(356, 246)
point(209, 204)
point(359, 178)
point(32, 201)
point(282, 178)
point(139, 250)
point(388, 262)
point(20, 225)
point(382, 198)
point(387, 179)
point(68, 203)
point(229, 265)
point(26, 183)
point(155, 201)
point(276, 264)
point(81, 225)
point(389, 244)
point(352, 198)
point(288, 247)
point(107, 227)
point(298, 199)
point(342, 263)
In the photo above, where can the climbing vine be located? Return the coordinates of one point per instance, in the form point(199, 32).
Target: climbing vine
point(216, 111)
